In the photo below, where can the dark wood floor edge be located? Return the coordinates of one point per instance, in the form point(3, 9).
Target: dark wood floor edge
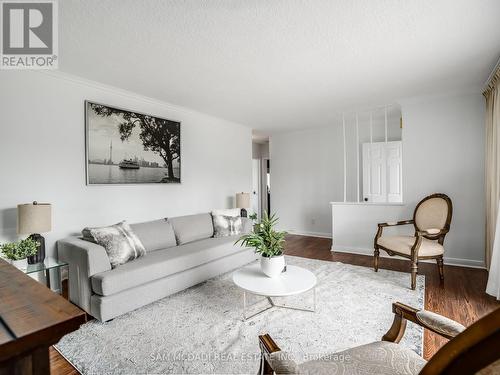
point(67, 359)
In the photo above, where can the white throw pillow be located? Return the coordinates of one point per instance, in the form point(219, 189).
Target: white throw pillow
point(225, 226)
point(232, 212)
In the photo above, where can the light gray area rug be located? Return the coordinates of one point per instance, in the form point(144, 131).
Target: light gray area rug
point(200, 330)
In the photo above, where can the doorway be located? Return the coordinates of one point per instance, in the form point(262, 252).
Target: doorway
point(255, 197)
point(260, 199)
point(267, 186)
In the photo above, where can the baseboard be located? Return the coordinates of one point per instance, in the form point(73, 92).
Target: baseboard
point(310, 234)
point(447, 260)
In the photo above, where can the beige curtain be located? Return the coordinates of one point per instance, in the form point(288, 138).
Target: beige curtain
point(492, 95)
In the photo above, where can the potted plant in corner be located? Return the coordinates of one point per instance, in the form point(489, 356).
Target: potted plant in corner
point(18, 252)
point(269, 243)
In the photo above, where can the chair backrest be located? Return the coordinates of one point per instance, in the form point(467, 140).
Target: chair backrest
point(477, 348)
point(433, 212)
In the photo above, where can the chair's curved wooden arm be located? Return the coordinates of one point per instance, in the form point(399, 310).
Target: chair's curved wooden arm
point(395, 223)
point(403, 313)
point(267, 347)
point(381, 227)
point(473, 350)
point(267, 344)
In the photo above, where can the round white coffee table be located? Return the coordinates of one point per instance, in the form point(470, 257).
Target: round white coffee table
point(295, 280)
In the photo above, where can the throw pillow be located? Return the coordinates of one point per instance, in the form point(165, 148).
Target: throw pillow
point(233, 212)
point(225, 226)
point(119, 241)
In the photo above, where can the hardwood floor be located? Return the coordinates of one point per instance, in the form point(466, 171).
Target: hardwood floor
point(461, 296)
point(58, 365)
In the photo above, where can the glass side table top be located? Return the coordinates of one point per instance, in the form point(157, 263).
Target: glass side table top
point(48, 264)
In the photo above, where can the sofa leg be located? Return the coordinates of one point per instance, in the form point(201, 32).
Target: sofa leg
point(414, 271)
point(376, 254)
point(440, 267)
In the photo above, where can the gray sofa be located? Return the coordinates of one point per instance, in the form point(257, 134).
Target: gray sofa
point(180, 252)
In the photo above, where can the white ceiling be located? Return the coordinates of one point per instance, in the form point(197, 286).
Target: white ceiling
point(286, 64)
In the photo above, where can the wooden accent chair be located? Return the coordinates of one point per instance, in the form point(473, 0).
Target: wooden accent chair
point(469, 351)
point(431, 219)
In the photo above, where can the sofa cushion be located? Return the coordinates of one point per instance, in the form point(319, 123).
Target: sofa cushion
point(155, 235)
point(192, 227)
point(162, 263)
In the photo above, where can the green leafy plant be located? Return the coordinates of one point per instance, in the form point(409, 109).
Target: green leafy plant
point(20, 250)
point(265, 239)
point(253, 217)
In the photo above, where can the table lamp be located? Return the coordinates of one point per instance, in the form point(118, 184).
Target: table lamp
point(243, 202)
point(33, 219)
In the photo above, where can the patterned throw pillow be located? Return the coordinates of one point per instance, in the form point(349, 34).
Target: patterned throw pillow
point(119, 241)
point(233, 212)
point(225, 226)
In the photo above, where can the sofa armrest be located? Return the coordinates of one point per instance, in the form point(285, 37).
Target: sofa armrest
point(90, 256)
point(85, 259)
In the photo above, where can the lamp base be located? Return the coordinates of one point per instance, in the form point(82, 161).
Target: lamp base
point(39, 257)
point(243, 212)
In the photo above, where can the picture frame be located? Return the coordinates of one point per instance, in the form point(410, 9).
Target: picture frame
point(129, 147)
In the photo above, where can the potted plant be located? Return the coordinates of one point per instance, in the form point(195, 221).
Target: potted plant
point(269, 243)
point(18, 252)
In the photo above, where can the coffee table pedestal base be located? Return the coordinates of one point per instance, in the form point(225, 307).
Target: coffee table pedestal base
point(273, 305)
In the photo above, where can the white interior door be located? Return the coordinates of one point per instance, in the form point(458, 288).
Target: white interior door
point(394, 156)
point(382, 172)
point(255, 196)
point(374, 175)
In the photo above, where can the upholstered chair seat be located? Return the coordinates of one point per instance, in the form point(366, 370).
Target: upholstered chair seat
point(403, 245)
point(380, 357)
point(431, 221)
point(472, 350)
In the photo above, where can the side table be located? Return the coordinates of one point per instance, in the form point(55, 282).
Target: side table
point(46, 267)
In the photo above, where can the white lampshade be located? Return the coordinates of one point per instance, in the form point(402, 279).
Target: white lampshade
point(34, 218)
point(242, 200)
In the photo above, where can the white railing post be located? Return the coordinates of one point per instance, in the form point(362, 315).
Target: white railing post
point(371, 130)
point(385, 114)
point(345, 158)
point(357, 157)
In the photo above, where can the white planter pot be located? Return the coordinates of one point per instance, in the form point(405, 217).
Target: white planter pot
point(21, 264)
point(272, 266)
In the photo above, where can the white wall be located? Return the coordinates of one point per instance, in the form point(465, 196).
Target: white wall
point(260, 150)
point(42, 157)
point(306, 174)
point(443, 151)
point(256, 150)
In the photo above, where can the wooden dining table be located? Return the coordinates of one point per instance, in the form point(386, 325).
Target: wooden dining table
point(32, 318)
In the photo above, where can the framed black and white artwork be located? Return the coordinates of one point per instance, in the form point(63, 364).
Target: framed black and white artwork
point(128, 147)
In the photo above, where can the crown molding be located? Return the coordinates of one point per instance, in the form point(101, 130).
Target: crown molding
point(131, 95)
